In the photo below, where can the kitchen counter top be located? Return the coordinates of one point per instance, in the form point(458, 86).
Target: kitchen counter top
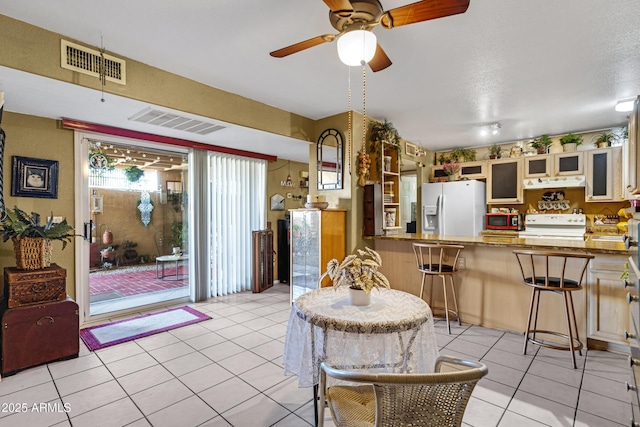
point(511, 240)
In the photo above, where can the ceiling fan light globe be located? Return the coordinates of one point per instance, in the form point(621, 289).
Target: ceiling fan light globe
point(357, 46)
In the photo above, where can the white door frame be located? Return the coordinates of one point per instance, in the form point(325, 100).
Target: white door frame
point(83, 216)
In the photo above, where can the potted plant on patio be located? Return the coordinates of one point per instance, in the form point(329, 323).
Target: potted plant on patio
point(133, 173)
point(360, 273)
point(32, 242)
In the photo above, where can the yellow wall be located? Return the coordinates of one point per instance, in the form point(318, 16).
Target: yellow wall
point(30, 136)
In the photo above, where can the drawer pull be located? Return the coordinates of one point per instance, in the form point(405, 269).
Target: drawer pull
point(627, 335)
point(628, 284)
point(49, 318)
point(630, 387)
point(631, 298)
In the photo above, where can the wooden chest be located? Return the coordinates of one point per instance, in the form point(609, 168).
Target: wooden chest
point(23, 287)
point(39, 333)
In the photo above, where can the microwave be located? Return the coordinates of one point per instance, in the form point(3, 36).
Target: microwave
point(503, 221)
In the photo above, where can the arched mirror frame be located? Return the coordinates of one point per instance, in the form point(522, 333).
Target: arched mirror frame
point(330, 160)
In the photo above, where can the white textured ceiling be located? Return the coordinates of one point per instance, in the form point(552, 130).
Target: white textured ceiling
point(543, 66)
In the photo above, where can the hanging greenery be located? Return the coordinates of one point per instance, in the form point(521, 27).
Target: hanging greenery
point(133, 173)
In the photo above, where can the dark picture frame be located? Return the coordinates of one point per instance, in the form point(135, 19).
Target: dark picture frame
point(34, 177)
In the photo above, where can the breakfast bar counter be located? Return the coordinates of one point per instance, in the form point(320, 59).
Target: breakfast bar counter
point(490, 289)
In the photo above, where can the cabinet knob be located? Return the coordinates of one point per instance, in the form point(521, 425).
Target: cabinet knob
point(630, 387)
point(634, 424)
point(633, 362)
point(631, 298)
point(627, 335)
point(627, 283)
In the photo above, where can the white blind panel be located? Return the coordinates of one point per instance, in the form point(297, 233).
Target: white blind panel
point(238, 200)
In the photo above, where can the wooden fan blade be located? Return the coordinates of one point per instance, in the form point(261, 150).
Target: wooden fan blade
point(422, 11)
point(380, 60)
point(294, 48)
point(342, 7)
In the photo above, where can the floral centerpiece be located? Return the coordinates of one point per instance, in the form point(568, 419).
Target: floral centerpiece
point(451, 168)
point(358, 272)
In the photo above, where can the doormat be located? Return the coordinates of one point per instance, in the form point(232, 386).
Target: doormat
point(108, 334)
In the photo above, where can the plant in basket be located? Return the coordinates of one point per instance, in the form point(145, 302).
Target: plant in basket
point(32, 242)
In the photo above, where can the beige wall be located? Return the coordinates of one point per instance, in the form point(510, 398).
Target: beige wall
point(35, 50)
point(40, 138)
point(276, 172)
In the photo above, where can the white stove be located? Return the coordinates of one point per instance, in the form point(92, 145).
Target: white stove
point(555, 226)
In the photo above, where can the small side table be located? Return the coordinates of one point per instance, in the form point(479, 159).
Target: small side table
point(161, 260)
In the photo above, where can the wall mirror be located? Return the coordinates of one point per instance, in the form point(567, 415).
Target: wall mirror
point(330, 156)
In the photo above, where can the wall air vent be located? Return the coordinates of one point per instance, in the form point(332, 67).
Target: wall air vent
point(174, 120)
point(88, 61)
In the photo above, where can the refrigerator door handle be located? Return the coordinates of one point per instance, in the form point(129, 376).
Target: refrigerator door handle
point(441, 220)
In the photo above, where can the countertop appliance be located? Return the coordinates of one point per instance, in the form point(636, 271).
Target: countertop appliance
point(555, 226)
point(453, 208)
point(504, 221)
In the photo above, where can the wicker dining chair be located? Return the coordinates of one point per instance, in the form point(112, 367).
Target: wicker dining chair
point(435, 399)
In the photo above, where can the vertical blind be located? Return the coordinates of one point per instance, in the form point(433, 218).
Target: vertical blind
point(238, 202)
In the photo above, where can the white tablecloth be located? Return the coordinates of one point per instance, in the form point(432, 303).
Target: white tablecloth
point(393, 334)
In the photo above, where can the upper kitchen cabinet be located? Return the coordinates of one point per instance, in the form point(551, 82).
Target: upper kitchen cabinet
point(552, 165)
point(631, 154)
point(566, 164)
point(504, 181)
point(538, 166)
point(604, 180)
point(473, 170)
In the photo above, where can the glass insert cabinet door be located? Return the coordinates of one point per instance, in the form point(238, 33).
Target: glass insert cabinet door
point(305, 251)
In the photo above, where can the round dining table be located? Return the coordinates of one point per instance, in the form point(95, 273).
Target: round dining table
point(395, 333)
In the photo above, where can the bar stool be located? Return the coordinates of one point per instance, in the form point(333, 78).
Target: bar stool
point(442, 261)
point(560, 273)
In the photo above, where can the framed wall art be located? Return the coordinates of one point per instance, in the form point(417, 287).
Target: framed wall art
point(34, 177)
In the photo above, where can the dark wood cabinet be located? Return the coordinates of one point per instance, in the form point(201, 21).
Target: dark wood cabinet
point(373, 221)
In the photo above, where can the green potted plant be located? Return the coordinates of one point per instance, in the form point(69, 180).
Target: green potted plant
point(385, 131)
point(442, 159)
point(494, 151)
point(359, 273)
point(542, 144)
point(32, 242)
point(605, 139)
point(133, 173)
point(570, 142)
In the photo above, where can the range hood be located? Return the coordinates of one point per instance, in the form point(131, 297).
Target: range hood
point(556, 182)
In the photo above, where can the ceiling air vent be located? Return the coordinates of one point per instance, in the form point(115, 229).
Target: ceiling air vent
point(88, 61)
point(174, 120)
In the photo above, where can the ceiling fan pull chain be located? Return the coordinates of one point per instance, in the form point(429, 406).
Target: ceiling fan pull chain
point(350, 118)
point(364, 108)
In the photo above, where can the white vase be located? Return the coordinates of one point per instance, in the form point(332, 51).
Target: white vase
point(359, 297)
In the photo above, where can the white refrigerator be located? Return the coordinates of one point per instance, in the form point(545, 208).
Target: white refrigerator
point(454, 208)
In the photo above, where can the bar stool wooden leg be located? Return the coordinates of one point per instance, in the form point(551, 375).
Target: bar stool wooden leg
point(446, 305)
point(422, 284)
point(526, 332)
point(455, 300)
point(571, 347)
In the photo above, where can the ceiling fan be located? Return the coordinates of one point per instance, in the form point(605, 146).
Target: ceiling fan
point(346, 16)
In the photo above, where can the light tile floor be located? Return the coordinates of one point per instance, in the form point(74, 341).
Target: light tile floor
point(227, 371)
